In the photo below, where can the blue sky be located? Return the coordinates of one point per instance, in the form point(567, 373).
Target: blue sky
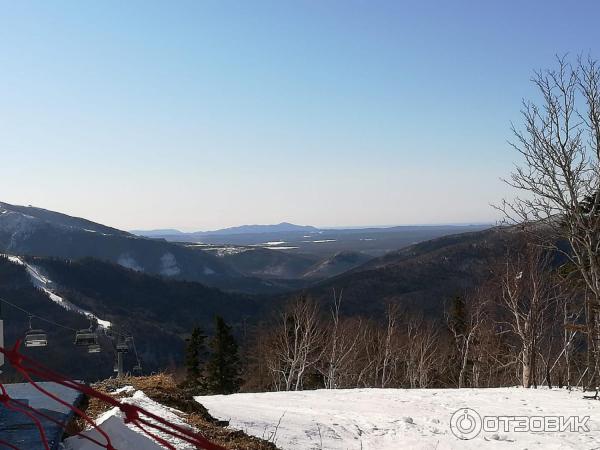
point(205, 114)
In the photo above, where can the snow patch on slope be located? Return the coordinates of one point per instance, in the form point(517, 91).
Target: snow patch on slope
point(228, 250)
point(40, 281)
point(129, 262)
point(127, 436)
point(168, 265)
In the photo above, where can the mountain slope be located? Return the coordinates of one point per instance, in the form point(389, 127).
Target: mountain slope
point(158, 312)
point(38, 232)
point(422, 276)
point(275, 264)
point(265, 263)
point(336, 264)
point(35, 216)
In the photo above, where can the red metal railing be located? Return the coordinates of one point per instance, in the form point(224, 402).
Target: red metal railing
point(147, 422)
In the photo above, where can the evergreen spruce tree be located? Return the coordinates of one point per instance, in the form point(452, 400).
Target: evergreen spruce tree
point(195, 356)
point(458, 315)
point(223, 368)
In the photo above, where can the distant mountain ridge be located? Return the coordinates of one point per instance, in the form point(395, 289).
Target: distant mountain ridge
point(158, 232)
point(283, 227)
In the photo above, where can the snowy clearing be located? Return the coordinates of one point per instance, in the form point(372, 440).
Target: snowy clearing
point(391, 419)
point(281, 248)
point(321, 241)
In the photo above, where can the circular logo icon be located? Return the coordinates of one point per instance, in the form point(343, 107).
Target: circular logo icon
point(465, 423)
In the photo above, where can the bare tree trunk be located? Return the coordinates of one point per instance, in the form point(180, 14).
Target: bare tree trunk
point(388, 351)
point(560, 145)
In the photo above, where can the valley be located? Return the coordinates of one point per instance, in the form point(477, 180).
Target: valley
point(158, 290)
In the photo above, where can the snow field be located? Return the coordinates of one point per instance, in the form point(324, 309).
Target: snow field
point(392, 419)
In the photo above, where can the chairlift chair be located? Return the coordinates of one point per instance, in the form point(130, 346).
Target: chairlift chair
point(94, 348)
point(122, 347)
point(137, 369)
point(35, 338)
point(86, 338)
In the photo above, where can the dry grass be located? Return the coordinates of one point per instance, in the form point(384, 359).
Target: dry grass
point(163, 389)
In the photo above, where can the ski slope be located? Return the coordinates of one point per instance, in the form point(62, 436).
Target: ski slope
point(392, 419)
point(45, 284)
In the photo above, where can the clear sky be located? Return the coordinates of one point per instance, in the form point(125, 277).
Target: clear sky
point(205, 114)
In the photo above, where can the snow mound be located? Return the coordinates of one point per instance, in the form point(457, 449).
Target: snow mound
point(128, 436)
point(391, 419)
point(123, 390)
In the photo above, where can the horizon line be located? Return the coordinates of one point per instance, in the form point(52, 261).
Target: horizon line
point(336, 227)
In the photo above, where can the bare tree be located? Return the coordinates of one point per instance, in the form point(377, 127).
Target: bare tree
point(296, 344)
point(421, 352)
point(560, 176)
point(340, 342)
point(465, 325)
point(528, 293)
point(389, 350)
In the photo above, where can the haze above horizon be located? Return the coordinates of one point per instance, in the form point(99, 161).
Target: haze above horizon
point(207, 115)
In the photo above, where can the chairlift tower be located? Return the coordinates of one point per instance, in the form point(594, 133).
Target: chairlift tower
point(119, 365)
point(1, 338)
point(122, 347)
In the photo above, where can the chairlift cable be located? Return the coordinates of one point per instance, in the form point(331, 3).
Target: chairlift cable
point(31, 315)
point(137, 358)
point(89, 316)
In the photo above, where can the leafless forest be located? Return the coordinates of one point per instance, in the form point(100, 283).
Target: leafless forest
point(535, 320)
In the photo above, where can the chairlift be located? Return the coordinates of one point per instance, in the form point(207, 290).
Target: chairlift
point(123, 346)
point(86, 338)
point(137, 369)
point(94, 348)
point(35, 338)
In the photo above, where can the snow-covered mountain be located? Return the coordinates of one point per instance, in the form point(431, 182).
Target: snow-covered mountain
point(26, 230)
point(20, 218)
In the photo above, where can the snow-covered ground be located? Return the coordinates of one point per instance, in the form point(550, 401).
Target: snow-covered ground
point(392, 419)
point(126, 436)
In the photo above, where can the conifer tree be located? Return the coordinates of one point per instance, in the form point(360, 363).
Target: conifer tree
point(223, 368)
point(195, 357)
point(458, 315)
